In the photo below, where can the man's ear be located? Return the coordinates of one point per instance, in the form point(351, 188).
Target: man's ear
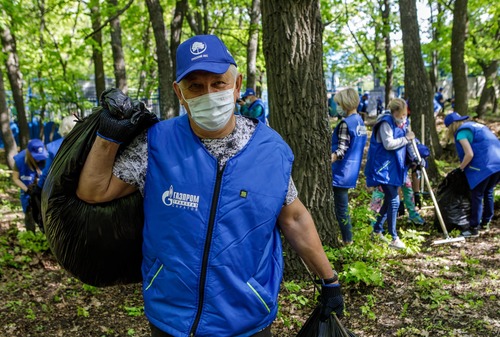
point(237, 86)
point(177, 91)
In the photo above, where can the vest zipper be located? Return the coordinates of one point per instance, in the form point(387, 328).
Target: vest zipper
point(206, 250)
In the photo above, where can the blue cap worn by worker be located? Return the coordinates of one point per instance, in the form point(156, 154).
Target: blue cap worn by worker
point(37, 150)
point(248, 92)
point(202, 52)
point(453, 117)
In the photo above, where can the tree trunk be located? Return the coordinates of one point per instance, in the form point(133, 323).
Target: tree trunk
point(435, 21)
point(253, 44)
point(16, 82)
point(181, 8)
point(117, 48)
point(292, 39)
point(99, 75)
point(417, 86)
point(488, 96)
point(7, 136)
point(458, 67)
point(165, 74)
point(386, 32)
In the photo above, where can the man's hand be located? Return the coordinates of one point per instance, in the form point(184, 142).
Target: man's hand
point(331, 301)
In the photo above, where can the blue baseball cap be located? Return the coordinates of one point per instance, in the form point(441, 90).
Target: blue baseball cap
point(202, 52)
point(453, 117)
point(37, 150)
point(248, 92)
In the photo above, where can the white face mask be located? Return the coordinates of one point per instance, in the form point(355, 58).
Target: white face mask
point(212, 111)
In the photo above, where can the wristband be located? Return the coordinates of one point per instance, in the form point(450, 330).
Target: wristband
point(109, 139)
point(330, 280)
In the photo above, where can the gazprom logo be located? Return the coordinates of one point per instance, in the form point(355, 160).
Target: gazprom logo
point(360, 130)
point(172, 198)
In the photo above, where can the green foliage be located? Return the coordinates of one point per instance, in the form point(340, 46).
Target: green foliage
point(33, 242)
point(432, 289)
point(134, 311)
point(82, 312)
point(367, 308)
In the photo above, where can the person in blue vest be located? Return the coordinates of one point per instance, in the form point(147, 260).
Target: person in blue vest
point(252, 107)
point(439, 98)
point(29, 164)
point(386, 165)
point(348, 143)
point(212, 252)
point(479, 153)
point(67, 125)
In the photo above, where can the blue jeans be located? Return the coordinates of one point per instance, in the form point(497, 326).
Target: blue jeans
point(341, 202)
point(481, 195)
point(388, 211)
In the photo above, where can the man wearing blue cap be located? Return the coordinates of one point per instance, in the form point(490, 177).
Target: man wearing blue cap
point(212, 253)
point(28, 167)
point(251, 106)
point(479, 153)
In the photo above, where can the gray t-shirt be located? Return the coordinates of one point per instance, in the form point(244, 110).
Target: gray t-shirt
point(131, 164)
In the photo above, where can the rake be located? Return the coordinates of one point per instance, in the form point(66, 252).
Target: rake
point(447, 238)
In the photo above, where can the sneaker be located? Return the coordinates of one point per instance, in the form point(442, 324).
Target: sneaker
point(398, 244)
point(470, 233)
point(485, 227)
point(418, 220)
point(378, 237)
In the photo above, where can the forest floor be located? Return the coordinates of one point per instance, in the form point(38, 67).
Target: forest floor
point(441, 290)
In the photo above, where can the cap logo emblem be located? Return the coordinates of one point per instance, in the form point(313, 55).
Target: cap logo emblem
point(198, 47)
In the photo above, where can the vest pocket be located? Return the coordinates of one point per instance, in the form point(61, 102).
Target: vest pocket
point(261, 295)
point(153, 273)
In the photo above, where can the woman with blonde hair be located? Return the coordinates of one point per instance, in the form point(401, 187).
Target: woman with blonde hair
point(386, 165)
point(348, 142)
point(479, 153)
point(28, 167)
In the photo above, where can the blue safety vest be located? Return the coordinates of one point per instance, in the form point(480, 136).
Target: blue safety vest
point(345, 172)
point(27, 176)
point(486, 148)
point(212, 251)
point(386, 167)
point(52, 149)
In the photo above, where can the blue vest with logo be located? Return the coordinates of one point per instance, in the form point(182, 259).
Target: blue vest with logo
point(345, 172)
point(27, 176)
point(212, 251)
point(486, 148)
point(52, 149)
point(385, 167)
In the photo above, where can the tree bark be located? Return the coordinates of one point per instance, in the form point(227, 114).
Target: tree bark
point(488, 96)
point(458, 67)
point(417, 85)
point(386, 33)
point(181, 8)
point(117, 48)
point(292, 40)
point(253, 44)
point(167, 99)
point(99, 74)
point(16, 82)
point(7, 136)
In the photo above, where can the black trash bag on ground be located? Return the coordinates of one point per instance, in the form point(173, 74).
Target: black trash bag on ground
point(454, 201)
point(329, 328)
point(35, 204)
point(100, 244)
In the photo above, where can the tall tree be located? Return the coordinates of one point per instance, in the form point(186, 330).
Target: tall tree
point(385, 9)
point(253, 44)
point(99, 74)
point(16, 81)
point(458, 66)
point(168, 103)
point(117, 48)
point(292, 45)
point(181, 8)
point(488, 99)
point(417, 85)
point(7, 136)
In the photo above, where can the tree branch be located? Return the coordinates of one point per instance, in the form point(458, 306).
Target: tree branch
point(117, 14)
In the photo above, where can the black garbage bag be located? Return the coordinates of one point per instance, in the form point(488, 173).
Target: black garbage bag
point(35, 204)
point(332, 327)
point(454, 201)
point(100, 244)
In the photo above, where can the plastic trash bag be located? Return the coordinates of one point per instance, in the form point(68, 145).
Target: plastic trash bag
point(100, 244)
point(330, 328)
point(454, 201)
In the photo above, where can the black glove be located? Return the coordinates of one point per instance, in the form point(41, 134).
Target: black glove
point(418, 200)
point(121, 118)
point(33, 189)
point(331, 301)
point(401, 209)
